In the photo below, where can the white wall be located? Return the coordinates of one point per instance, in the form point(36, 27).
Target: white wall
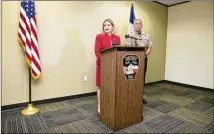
point(189, 52)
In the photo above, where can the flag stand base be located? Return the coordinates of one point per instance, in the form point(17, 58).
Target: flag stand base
point(30, 110)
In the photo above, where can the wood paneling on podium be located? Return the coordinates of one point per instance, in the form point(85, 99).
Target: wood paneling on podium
point(121, 95)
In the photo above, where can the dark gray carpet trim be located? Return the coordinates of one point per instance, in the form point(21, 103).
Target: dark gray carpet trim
point(23, 124)
point(203, 108)
point(103, 127)
point(163, 106)
point(89, 111)
point(138, 128)
point(61, 117)
point(153, 92)
point(208, 100)
point(210, 127)
point(172, 91)
point(52, 106)
point(80, 126)
point(190, 95)
point(167, 124)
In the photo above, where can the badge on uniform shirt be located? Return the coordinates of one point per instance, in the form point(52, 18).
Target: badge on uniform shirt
point(130, 66)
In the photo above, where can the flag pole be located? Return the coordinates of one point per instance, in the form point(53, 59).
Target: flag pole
point(30, 108)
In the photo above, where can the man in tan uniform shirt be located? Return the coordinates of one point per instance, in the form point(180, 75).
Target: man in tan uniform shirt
point(140, 38)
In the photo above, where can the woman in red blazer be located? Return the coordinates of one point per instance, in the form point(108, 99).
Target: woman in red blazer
point(104, 40)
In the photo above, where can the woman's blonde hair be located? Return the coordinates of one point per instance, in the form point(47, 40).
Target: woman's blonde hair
point(112, 23)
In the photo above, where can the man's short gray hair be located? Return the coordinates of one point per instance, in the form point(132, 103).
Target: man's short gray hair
point(138, 19)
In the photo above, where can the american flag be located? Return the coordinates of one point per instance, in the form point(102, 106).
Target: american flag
point(28, 38)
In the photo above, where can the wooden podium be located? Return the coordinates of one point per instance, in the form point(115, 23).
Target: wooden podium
point(121, 89)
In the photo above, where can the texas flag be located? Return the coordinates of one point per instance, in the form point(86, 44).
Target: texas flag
point(131, 19)
point(135, 69)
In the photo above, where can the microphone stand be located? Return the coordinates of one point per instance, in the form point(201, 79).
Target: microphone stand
point(135, 39)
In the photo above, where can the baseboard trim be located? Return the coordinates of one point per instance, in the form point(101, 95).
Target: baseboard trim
point(189, 86)
point(155, 82)
point(24, 104)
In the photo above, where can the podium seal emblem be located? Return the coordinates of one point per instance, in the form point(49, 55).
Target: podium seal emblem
point(130, 66)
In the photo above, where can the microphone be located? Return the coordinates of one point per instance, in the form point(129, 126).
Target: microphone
point(115, 44)
point(135, 39)
point(129, 36)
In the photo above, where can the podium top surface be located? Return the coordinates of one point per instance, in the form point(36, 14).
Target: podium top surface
point(125, 48)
